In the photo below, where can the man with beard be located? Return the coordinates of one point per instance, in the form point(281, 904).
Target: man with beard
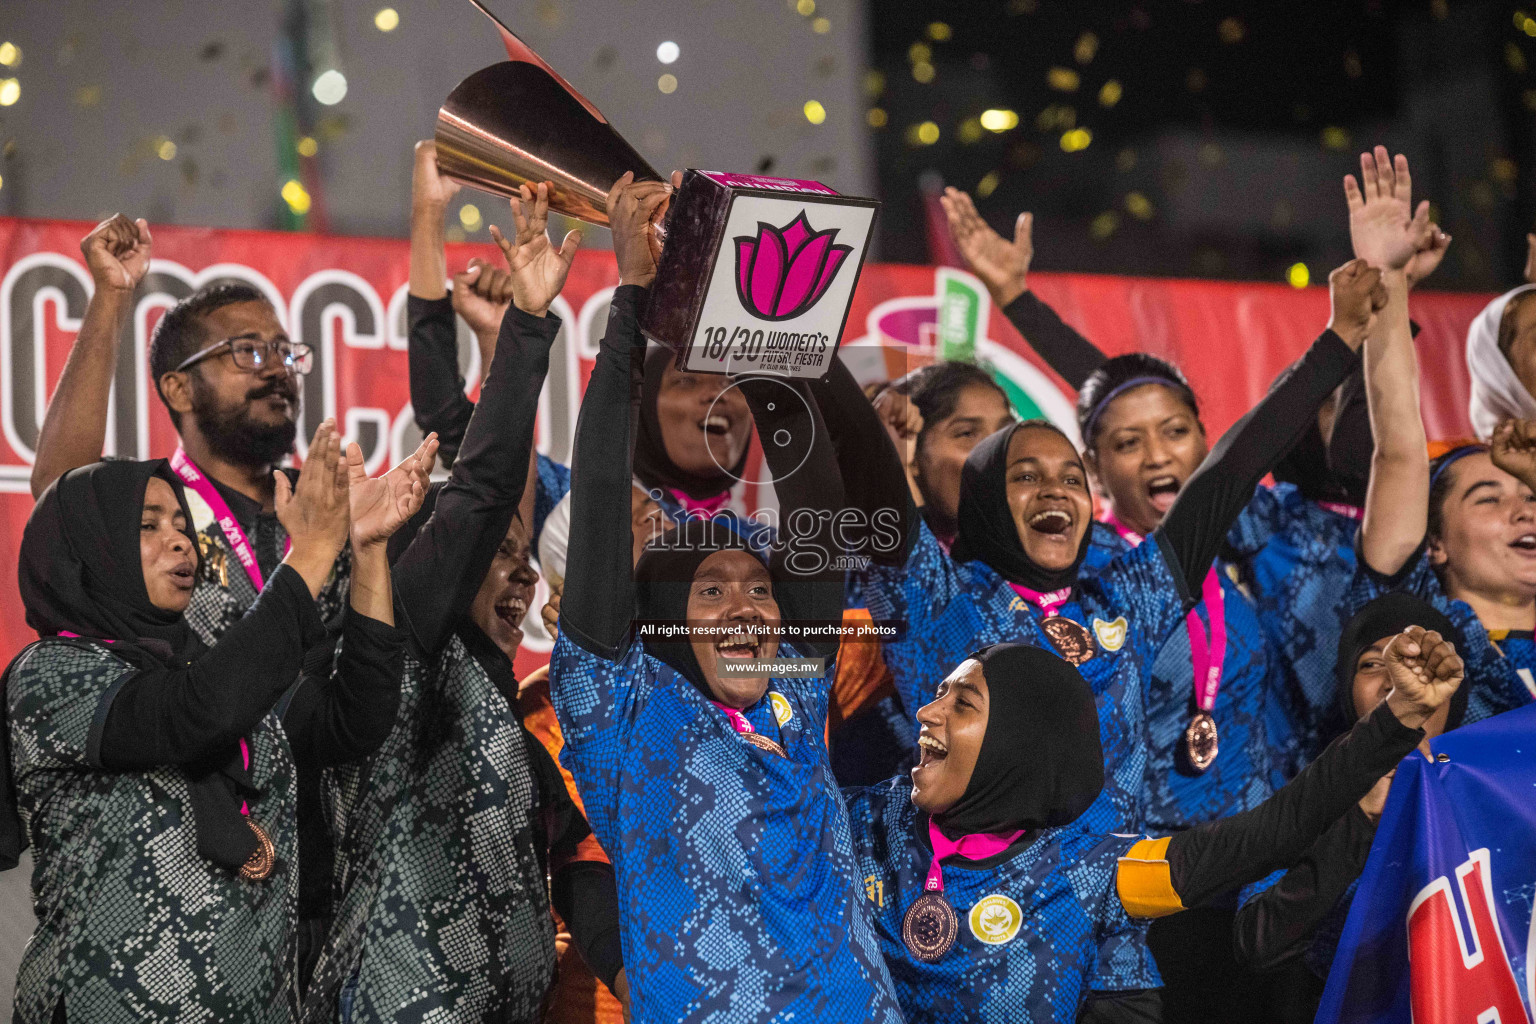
point(229, 376)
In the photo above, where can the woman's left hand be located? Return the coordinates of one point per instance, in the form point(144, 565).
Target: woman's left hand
point(380, 506)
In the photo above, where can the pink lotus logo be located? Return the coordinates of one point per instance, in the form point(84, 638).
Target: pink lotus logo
point(783, 271)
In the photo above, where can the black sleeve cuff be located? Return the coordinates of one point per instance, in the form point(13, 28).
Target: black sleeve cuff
point(288, 586)
point(1393, 736)
point(371, 638)
point(1390, 581)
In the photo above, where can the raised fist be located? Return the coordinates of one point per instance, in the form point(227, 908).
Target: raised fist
point(1425, 670)
point(117, 253)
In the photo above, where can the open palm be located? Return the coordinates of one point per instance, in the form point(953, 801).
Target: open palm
point(1003, 266)
point(1384, 228)
point(538, 268)
point(380, 506)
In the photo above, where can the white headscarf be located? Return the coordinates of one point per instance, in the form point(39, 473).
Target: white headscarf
point(1497, 393)
point(554, 540)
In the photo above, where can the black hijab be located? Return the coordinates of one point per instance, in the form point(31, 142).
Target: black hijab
point(662, 579)
point(1387, 616)
point(652, 466)
point(80, 572)
point(986, 528)
point(1041, 764)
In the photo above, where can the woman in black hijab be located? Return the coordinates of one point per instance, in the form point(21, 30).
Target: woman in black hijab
point(692, 438)
point(154, 776)
point(995, 899)
point(1300, 917)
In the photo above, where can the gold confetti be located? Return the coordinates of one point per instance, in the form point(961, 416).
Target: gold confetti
point(969, 131)
point(875, 117)
point(1063, 79)
point(923, 73)
point(925, 134)
point(874, 83)
point(996, 120)
point(10, 54)
point(814, 111)
point(987, 185)
point(1231, 31)
point(1335, 138)
point(667, 83)
point(88, 95)
point(308, 146)
point(1086, 46)
point(1075, 140)
point(1138, 206)
point(1298, 276)
point(1104, 225)
point(821, 26)
point(387, 20)
point(1125, 160)
point(939, 32)
point(919, 53)
point(1109, 93)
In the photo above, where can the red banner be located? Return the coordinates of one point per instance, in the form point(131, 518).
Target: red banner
point(346, 298)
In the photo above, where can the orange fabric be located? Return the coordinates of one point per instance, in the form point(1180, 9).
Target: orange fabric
point(861, 679)
point(578, 996)
point(1439, 448)
point(1145, 882)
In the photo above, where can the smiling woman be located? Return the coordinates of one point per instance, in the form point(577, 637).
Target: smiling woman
point(709, 789)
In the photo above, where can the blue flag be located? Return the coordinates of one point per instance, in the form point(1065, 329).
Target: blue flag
point(1440, 931)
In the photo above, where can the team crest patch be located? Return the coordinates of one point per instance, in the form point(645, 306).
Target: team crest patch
point(995, 919)
point(1111, 634)
point(781, 709)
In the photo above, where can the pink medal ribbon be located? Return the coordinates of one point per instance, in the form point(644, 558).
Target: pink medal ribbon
point(194, 478)
point(709, 506)
point(1049, 602)
point(745, 731)
point(973, 847)
point(1354, 512)
point(1207, 652)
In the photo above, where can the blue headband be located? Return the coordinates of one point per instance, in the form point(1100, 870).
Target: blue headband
point(1454, 455)
point(1135, 382)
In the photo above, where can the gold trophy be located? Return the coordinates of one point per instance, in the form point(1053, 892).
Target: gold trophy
point(792, 250)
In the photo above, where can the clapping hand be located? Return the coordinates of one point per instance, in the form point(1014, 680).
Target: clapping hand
point(1425, 671)
point(382, 505)
point(315, 510)
point(1003, 266)
point(1384, 228)
point(538, 268)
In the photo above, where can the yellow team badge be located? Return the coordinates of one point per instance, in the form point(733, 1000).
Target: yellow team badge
point(995, 919)
point(781, 709)
point(1111, 634)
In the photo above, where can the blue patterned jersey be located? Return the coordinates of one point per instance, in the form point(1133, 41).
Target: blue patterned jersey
point(947, 609)
point(1297, 558)
point(737, 884)
point(1244, 773)
point(1499, 670)
point(1037, 930)
point(554, 481)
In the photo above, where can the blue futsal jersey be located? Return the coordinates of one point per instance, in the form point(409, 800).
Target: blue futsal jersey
point(738, 889)
point(1038, 930)
point(1501, 668)
point(1297, 558)
point(947, 609)
point(1246, 769)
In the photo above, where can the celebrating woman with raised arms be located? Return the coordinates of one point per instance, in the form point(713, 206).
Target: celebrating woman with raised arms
point(155, 777)
point(707, 785)
point(994, 896)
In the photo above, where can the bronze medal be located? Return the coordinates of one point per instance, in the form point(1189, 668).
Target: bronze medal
point(1200, 741)
point(762, 742)
point(930, 927)
point(1071, 639)
point(259, 864)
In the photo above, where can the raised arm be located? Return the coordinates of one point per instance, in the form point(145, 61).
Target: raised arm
point(1003, 267)
point(1192, 534)
point(806, 478)
point(1163, 876)
point(75, 425)
point(182, 715)
point(1387, 233)
point(598, 602)
point(438, 575)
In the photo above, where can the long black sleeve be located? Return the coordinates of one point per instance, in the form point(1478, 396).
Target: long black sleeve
point(1278, 924)
point(1070, 354)
point(598, 605)
point(184, 715)
point(1132, 1006)
point(874, 482)
point(808, 581)
point(1192, 534)
point(585, 894)
point(437, 389)
point(1222, 855)
point(344, 712)
point(438, 575)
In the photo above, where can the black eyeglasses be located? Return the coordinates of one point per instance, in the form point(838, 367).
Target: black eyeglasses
point(251, 352)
